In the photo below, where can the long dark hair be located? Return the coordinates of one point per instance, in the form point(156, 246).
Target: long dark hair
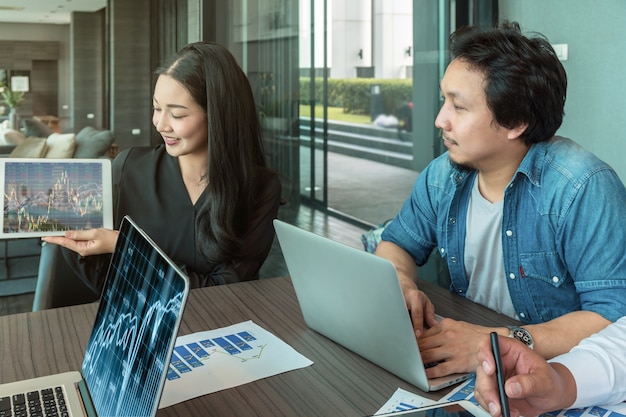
point(236, 156)
point(525, 81)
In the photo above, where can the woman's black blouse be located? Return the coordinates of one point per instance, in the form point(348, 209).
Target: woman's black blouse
point(148, 186)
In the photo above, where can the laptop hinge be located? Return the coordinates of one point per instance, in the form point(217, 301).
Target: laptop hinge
point(85, 399)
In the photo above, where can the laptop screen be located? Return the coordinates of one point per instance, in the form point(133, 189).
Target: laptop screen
point(135, 329)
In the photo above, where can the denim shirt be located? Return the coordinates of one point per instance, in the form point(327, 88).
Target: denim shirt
point(563, 230)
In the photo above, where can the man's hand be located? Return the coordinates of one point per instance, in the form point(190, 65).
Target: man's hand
point(533, 385)
point(86, 242)
point(453, 345)
point(420, 308)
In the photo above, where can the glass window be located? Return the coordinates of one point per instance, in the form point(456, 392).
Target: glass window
point(347, 94)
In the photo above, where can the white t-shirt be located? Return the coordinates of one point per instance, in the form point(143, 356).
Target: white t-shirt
point(598, 364)
point(484, 265)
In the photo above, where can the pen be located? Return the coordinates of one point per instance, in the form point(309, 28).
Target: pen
point(504, 401)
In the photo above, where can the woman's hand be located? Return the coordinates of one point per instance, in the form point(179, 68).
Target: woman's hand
point(86, 242)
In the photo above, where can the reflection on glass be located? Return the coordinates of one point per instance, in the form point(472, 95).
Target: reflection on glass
point(333, 84)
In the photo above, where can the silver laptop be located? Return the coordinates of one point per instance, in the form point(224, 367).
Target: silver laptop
point(354, 298)
point(129, 351)
point(47, 197)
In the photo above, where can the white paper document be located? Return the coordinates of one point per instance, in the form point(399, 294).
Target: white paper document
point(214, 360)
point(402, 400)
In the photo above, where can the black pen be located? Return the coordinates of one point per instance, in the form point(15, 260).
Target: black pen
point(504, 401)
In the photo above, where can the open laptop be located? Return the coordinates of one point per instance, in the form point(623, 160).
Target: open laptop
point(354, 298)
point(129, 351)
point(46, 197)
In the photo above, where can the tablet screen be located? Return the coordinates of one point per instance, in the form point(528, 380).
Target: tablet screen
point(45, 197)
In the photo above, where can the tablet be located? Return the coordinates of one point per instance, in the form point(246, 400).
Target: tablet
point(47, 197)
point(463, 408)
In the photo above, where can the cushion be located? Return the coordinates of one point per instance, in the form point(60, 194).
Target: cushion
point(35, 128)
point(92, 143)
point(30, 148)
point(11, 137)
point(61, 145)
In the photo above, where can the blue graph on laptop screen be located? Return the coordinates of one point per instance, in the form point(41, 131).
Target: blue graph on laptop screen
point(135, 325)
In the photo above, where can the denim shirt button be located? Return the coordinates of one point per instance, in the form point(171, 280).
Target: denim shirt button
point(522, 315)
point(442, 251)
point(512, 275)
point(555, 279)
point(452, 220)
point(453, 259)
point(460, 291)
point(509, 233)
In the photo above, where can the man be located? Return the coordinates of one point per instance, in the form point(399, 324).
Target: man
point(593, 373)
point(529, 223)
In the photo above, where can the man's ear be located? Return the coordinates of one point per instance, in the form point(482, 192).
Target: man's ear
point(518, 131)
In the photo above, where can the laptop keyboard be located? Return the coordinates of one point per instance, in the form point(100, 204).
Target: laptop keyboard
point(49, 402)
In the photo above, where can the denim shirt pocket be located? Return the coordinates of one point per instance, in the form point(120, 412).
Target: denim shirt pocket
point(545, 288)
point(543, 266)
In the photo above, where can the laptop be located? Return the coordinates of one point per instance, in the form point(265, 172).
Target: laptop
point(47, 197)
point(354, 298)
point(130, 347)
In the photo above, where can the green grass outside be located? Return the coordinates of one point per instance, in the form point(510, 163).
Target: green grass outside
point(335, 113)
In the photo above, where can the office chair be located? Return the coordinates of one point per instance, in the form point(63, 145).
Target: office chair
point(57, 284)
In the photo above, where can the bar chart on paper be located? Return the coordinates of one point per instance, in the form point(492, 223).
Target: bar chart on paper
point(214, 360)
point(403, 400)
point(238, 347)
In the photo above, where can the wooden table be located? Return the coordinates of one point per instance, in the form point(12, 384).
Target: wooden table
point(339, 383)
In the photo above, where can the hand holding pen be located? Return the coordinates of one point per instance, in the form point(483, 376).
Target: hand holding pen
point(500, 375)
point(532, 385)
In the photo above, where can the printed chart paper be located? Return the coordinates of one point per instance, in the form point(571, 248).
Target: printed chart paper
point(402, 400)
point(214, 360)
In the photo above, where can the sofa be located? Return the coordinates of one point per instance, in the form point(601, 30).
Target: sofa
point(37, 140)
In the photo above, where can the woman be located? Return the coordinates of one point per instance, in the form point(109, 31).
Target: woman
point(206, 195)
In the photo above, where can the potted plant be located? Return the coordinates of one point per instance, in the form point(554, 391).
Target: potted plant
point(13, 99)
